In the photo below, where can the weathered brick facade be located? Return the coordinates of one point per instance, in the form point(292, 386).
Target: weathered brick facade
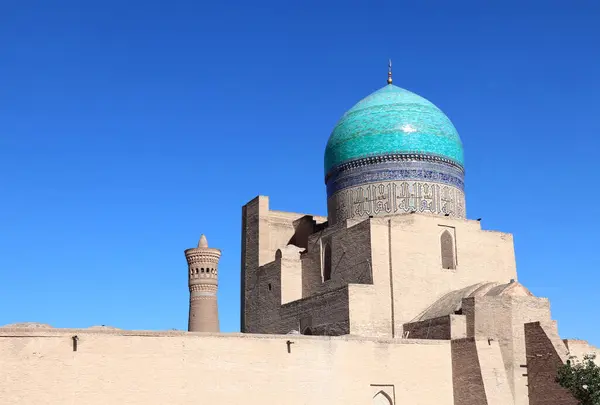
point(543, 361)
point(413, 276)
point(466, 373)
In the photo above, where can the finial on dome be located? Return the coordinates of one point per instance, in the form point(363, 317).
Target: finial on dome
point(202, 243)
point(389, 81)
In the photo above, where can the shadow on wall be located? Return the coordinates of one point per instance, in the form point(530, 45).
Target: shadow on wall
point(328, 329)
point(303, 228)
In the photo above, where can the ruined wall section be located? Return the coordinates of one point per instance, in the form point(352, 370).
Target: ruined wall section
point(350, 263)
point(263, 233)
point(325, 313)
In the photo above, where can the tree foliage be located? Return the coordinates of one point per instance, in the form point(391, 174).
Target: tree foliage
point(582, 379)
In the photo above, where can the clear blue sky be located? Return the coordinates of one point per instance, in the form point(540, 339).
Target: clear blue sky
point(128, 128)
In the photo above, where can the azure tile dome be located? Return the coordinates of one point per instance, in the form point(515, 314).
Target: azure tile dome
point(392, 121)
point(394, 152)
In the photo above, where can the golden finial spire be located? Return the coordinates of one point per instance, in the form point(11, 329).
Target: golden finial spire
point(390, 71)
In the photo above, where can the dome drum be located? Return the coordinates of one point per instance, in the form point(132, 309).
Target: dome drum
point(401, 168)
point(396, 197)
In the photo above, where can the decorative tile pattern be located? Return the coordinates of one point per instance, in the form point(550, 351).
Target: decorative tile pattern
point(430, 171)
point(397, 157)
point(392, 121)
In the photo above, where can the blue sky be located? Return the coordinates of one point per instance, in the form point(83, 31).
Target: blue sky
point(127, 129)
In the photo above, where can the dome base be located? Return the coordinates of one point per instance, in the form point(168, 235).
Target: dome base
point(396, 188)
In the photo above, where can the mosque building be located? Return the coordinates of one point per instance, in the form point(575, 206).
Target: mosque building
point(396, 297)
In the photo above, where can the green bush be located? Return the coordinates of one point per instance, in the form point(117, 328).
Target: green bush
point(582, 378)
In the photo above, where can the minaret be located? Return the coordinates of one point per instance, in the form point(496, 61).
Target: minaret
point(203, 264)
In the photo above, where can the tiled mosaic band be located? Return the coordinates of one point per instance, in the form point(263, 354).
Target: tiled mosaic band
point(396, 197)
point(396, 157)
point(396, 170)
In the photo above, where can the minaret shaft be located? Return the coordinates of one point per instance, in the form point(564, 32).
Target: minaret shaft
point(203, 265)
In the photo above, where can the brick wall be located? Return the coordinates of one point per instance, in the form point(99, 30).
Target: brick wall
point(466, 373)
point(262, 311)
point(328, 313)
point(351, 258)
point(436, 328)
point(542, 365)
point(418, 277)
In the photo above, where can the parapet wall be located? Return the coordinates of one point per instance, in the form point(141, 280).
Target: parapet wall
point(180, 368)
point(580, 348)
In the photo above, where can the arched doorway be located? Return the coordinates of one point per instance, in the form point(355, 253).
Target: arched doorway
point(381, 398)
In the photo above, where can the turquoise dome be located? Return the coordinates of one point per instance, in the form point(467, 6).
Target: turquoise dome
point(392, 121)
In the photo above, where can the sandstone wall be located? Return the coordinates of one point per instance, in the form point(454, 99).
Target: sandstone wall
point(175, 368)
point(503, 318)
point(407, 267)
point(495, 380)
point(418, 277)
point(580, 348)
point(393, 265)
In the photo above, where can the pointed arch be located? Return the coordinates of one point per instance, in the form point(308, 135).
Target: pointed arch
point(327, 262)
point(447, 247)
point(382, 398)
